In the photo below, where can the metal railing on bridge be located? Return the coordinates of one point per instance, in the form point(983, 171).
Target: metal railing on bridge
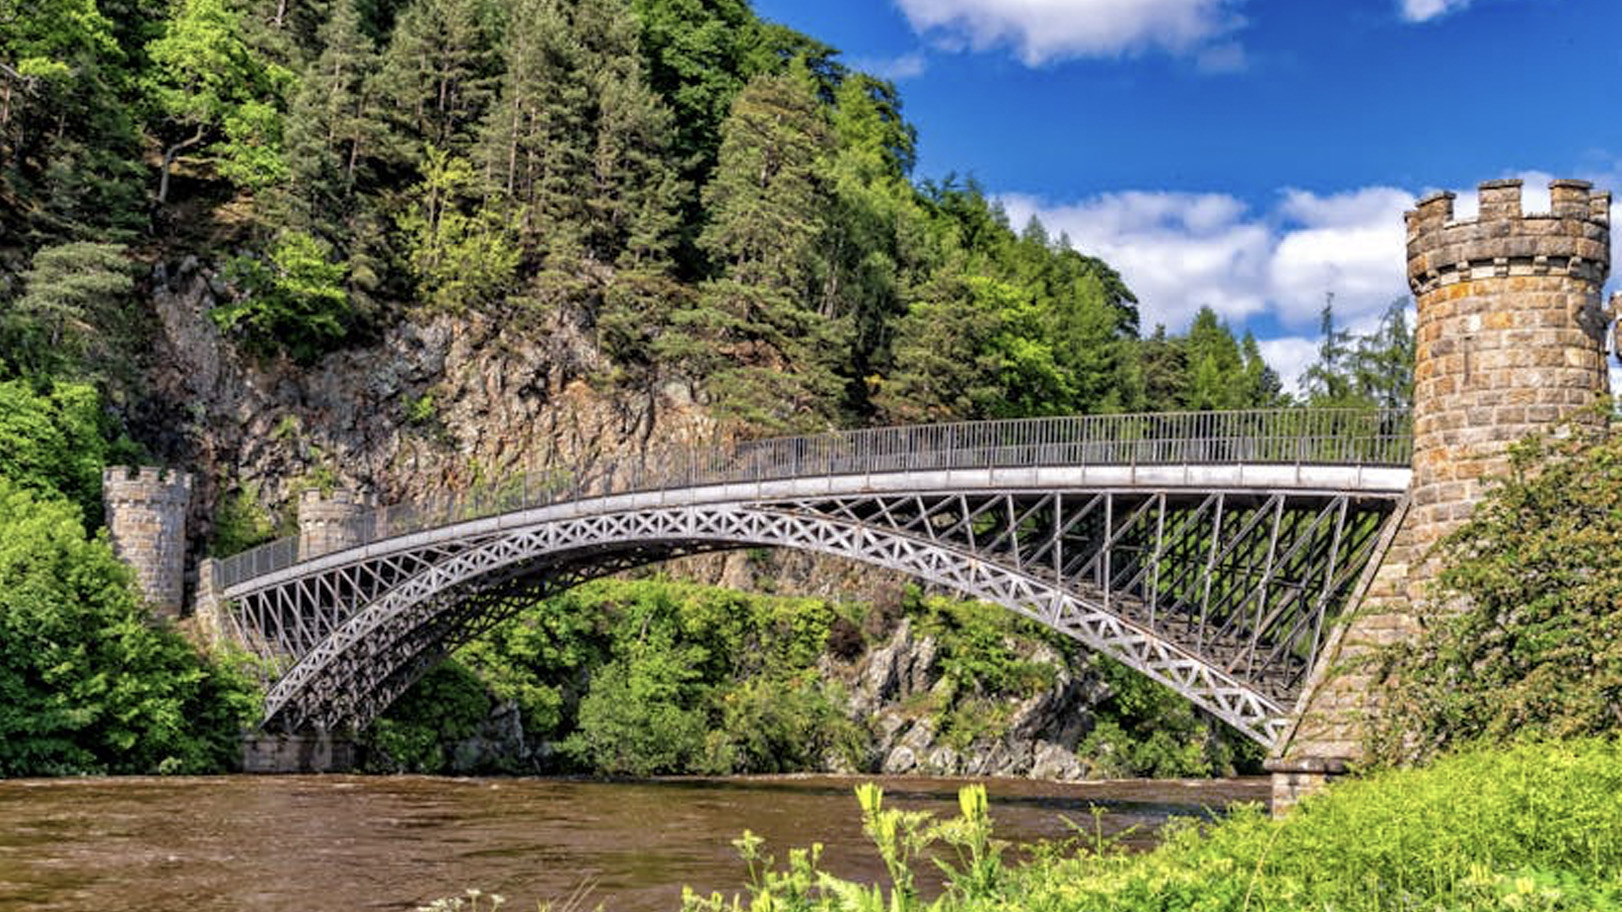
point(1359, 437)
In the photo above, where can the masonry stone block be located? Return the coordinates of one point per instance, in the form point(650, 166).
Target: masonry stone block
point(328, 523)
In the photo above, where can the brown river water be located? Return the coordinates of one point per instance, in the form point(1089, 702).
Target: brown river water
point(318, 843)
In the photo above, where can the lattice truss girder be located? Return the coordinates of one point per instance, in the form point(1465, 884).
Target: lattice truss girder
point(1223, 596)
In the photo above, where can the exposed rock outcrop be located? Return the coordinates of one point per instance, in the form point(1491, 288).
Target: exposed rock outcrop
point(898, 690)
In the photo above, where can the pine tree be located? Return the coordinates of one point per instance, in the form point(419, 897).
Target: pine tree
point(636, 190)
point(335, 128)
point(1328, 381)
point(440, 71)
point(534, 147)
point(774, 361)
point(69, 161)
point(1384, 360)
point(1217, 376)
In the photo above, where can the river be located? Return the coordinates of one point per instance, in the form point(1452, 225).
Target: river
point(355, 843)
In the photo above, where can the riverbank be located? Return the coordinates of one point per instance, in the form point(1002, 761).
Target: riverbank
point(1529, 827)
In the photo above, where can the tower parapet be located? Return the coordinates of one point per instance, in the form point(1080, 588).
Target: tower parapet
point(146, 518)
point(328, 523)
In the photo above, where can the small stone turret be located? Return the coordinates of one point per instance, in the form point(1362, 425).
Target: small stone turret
point(327, 524)
point(146, 518)
point(1509, 340)
point(1510, 337)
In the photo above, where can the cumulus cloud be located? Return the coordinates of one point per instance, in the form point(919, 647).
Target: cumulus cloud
point(1181, 251)
point(1268, 266)
point(1040, 31)
point(1426, 10)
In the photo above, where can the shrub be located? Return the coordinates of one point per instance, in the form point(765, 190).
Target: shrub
point(87, 683)
point(1534, 580)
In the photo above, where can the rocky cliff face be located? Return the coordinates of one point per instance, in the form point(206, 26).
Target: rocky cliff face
point(433, 405)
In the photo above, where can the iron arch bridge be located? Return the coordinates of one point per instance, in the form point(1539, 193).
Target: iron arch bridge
point(1210, 551)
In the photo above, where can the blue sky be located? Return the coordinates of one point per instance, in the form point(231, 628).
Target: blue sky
point(1247, 154)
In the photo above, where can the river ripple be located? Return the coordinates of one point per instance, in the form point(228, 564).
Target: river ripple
point(349, 843)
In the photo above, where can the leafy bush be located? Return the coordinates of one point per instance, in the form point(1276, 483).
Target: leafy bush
point(51, 442)
point(294, 301)
point(446, 706)
point(1534, 580)
point(87, 683)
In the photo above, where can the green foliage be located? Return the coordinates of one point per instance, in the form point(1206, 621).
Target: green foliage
point(1529, 828)
point(1375, 370)
point(207, 86)
point(87, 683)
point(634, 721)
point(461, 249)
point(769, 359)
point(294, 302)
point(69, 161)
point(51, 442)
point(1146, 729)
point(414, 735)
point(1530, 641)
point(67, 321)
point(656, 676)
point(240, 522)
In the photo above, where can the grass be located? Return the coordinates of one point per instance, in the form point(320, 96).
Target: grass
point(1529, 827)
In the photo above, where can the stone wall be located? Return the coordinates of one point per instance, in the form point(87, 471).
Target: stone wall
point(1509, 340)
point(146, 517)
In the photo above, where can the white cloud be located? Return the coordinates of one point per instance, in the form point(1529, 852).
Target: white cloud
point(1290, 356)
point(1426, 10)
point(1040, 31)
point(1351, 245)
point(1177, 251)
point(1181, 251)
point(895, 69)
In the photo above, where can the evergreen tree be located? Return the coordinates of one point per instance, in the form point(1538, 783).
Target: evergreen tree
point(773, 360)
point(635, 187)
point(69, 162)
point(1163, 363)
point(1263, 388)
point(462, 252)
point(334, 128)
point(535, 147)
point(441, 71)
point(1384, 360)
point(1328, 381)
point(1217, 371)
point(67, 321)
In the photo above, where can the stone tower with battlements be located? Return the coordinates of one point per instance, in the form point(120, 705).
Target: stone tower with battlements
point(1509, 340)
point(146, 518)
point(330, 523)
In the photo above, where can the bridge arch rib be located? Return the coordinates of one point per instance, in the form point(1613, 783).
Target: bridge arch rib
point(1222, 595)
